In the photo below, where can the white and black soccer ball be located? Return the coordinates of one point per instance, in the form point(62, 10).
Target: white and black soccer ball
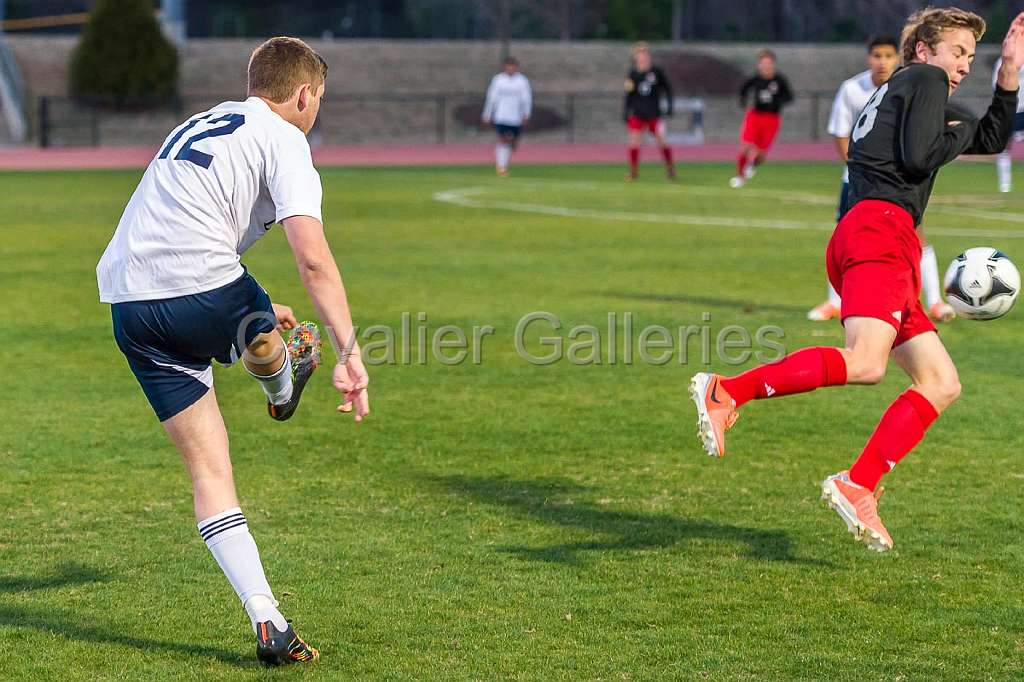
point(982, 284)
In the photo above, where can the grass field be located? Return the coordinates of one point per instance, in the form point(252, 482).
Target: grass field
point(506, 520)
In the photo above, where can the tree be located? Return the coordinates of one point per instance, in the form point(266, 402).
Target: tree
point(123, 60)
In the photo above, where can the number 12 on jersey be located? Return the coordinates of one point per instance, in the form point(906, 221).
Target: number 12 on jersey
point(229, 123)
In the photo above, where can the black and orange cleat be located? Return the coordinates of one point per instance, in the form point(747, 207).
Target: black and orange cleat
point(274, 647)
point(304, 352)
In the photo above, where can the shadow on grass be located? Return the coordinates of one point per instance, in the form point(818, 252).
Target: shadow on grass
point(66, 574)
point(544, 500)
point(67, 625)
point(704, 301)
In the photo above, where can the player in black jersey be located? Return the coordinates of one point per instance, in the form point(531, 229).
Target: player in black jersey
point(646, 86)
point(904, 134)
point(771, 92)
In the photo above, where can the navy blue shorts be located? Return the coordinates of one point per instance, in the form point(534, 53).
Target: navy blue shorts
point(170, 342)
point(844, 201)
point(1018, 121)
point(509, 132)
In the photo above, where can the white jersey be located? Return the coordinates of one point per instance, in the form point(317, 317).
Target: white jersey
point(995, 76)
point(218, 183)
point(851, 98)
point(509, 99)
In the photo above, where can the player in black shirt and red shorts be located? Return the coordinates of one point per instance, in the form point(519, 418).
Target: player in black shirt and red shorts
point(761, 123)
point(646, 86)
point(904, 134)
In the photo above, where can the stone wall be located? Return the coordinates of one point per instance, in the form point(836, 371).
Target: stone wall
point(389, 91)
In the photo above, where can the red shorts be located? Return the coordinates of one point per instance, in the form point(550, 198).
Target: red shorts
point(760, 128)
point(874, 262)
point(638, 125)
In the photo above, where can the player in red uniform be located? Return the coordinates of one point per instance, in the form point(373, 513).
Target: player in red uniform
point(905, 133)
point(761, 123)
point(646, 86)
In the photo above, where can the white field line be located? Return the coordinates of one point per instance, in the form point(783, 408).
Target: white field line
point(470, 197)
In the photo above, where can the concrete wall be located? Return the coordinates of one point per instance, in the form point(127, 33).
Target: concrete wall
point(360, 71)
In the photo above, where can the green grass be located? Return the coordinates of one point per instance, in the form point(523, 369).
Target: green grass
point(506, 520)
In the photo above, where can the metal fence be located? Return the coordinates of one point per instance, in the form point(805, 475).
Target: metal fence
point(437, 118)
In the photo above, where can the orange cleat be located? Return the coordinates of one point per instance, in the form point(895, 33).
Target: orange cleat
point(716, 411)
point(826, 311)
point(942, 312)
point(858, 507)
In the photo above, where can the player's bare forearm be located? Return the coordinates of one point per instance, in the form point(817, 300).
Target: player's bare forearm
point(321, 277)
point(843, 147)
point(1008, 78)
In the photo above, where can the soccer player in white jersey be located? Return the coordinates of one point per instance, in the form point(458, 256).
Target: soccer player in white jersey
point(1004, 164)
point(180, 296)
point(508, 106)
point(853, 94)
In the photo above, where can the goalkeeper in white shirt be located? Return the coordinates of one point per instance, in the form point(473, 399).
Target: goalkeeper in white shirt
point(853, 94)
point(1004, 163)
point(181, 298)
point(508, 106)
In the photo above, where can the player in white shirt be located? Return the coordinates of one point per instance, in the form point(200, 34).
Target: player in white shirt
point(508, 106)
point(180, 296)
point(853, 94)
point(1004, 164)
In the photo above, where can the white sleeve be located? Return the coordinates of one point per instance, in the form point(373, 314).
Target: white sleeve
point(527, 98)
point(293, 182)
point(995, 71)
point(840, 120)
point(489, 102)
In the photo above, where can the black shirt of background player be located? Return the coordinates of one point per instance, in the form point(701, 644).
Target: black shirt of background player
point(770, 94)
point(907, 131)
point(644, 92)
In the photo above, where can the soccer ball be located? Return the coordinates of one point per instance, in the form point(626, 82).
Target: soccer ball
point(982, 284)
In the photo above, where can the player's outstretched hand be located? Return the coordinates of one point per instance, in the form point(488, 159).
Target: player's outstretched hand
point(285, 317)
point(352, 380)
point(1013, 45)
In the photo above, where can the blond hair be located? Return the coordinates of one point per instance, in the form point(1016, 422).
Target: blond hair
point(640, 46)
point(927, 25)
point(281, 65)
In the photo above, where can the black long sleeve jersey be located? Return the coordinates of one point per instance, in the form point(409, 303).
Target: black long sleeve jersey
point(644, 92)
point(907, 131)
point(770, 94)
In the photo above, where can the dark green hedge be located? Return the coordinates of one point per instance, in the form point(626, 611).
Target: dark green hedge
point(123, 60)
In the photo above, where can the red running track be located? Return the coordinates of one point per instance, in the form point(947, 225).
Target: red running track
point(73, 158)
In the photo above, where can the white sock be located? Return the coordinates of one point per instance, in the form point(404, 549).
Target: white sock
point(277, 386)
point(227, 536)
point(502, 155)
point(1004, 168)
point(833, 296)
point(930, 276)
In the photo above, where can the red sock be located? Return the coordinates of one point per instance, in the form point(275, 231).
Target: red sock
point(900, 429)
point(804, 370)
point(741, 163)
point(666, 153)
point(634, 159)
